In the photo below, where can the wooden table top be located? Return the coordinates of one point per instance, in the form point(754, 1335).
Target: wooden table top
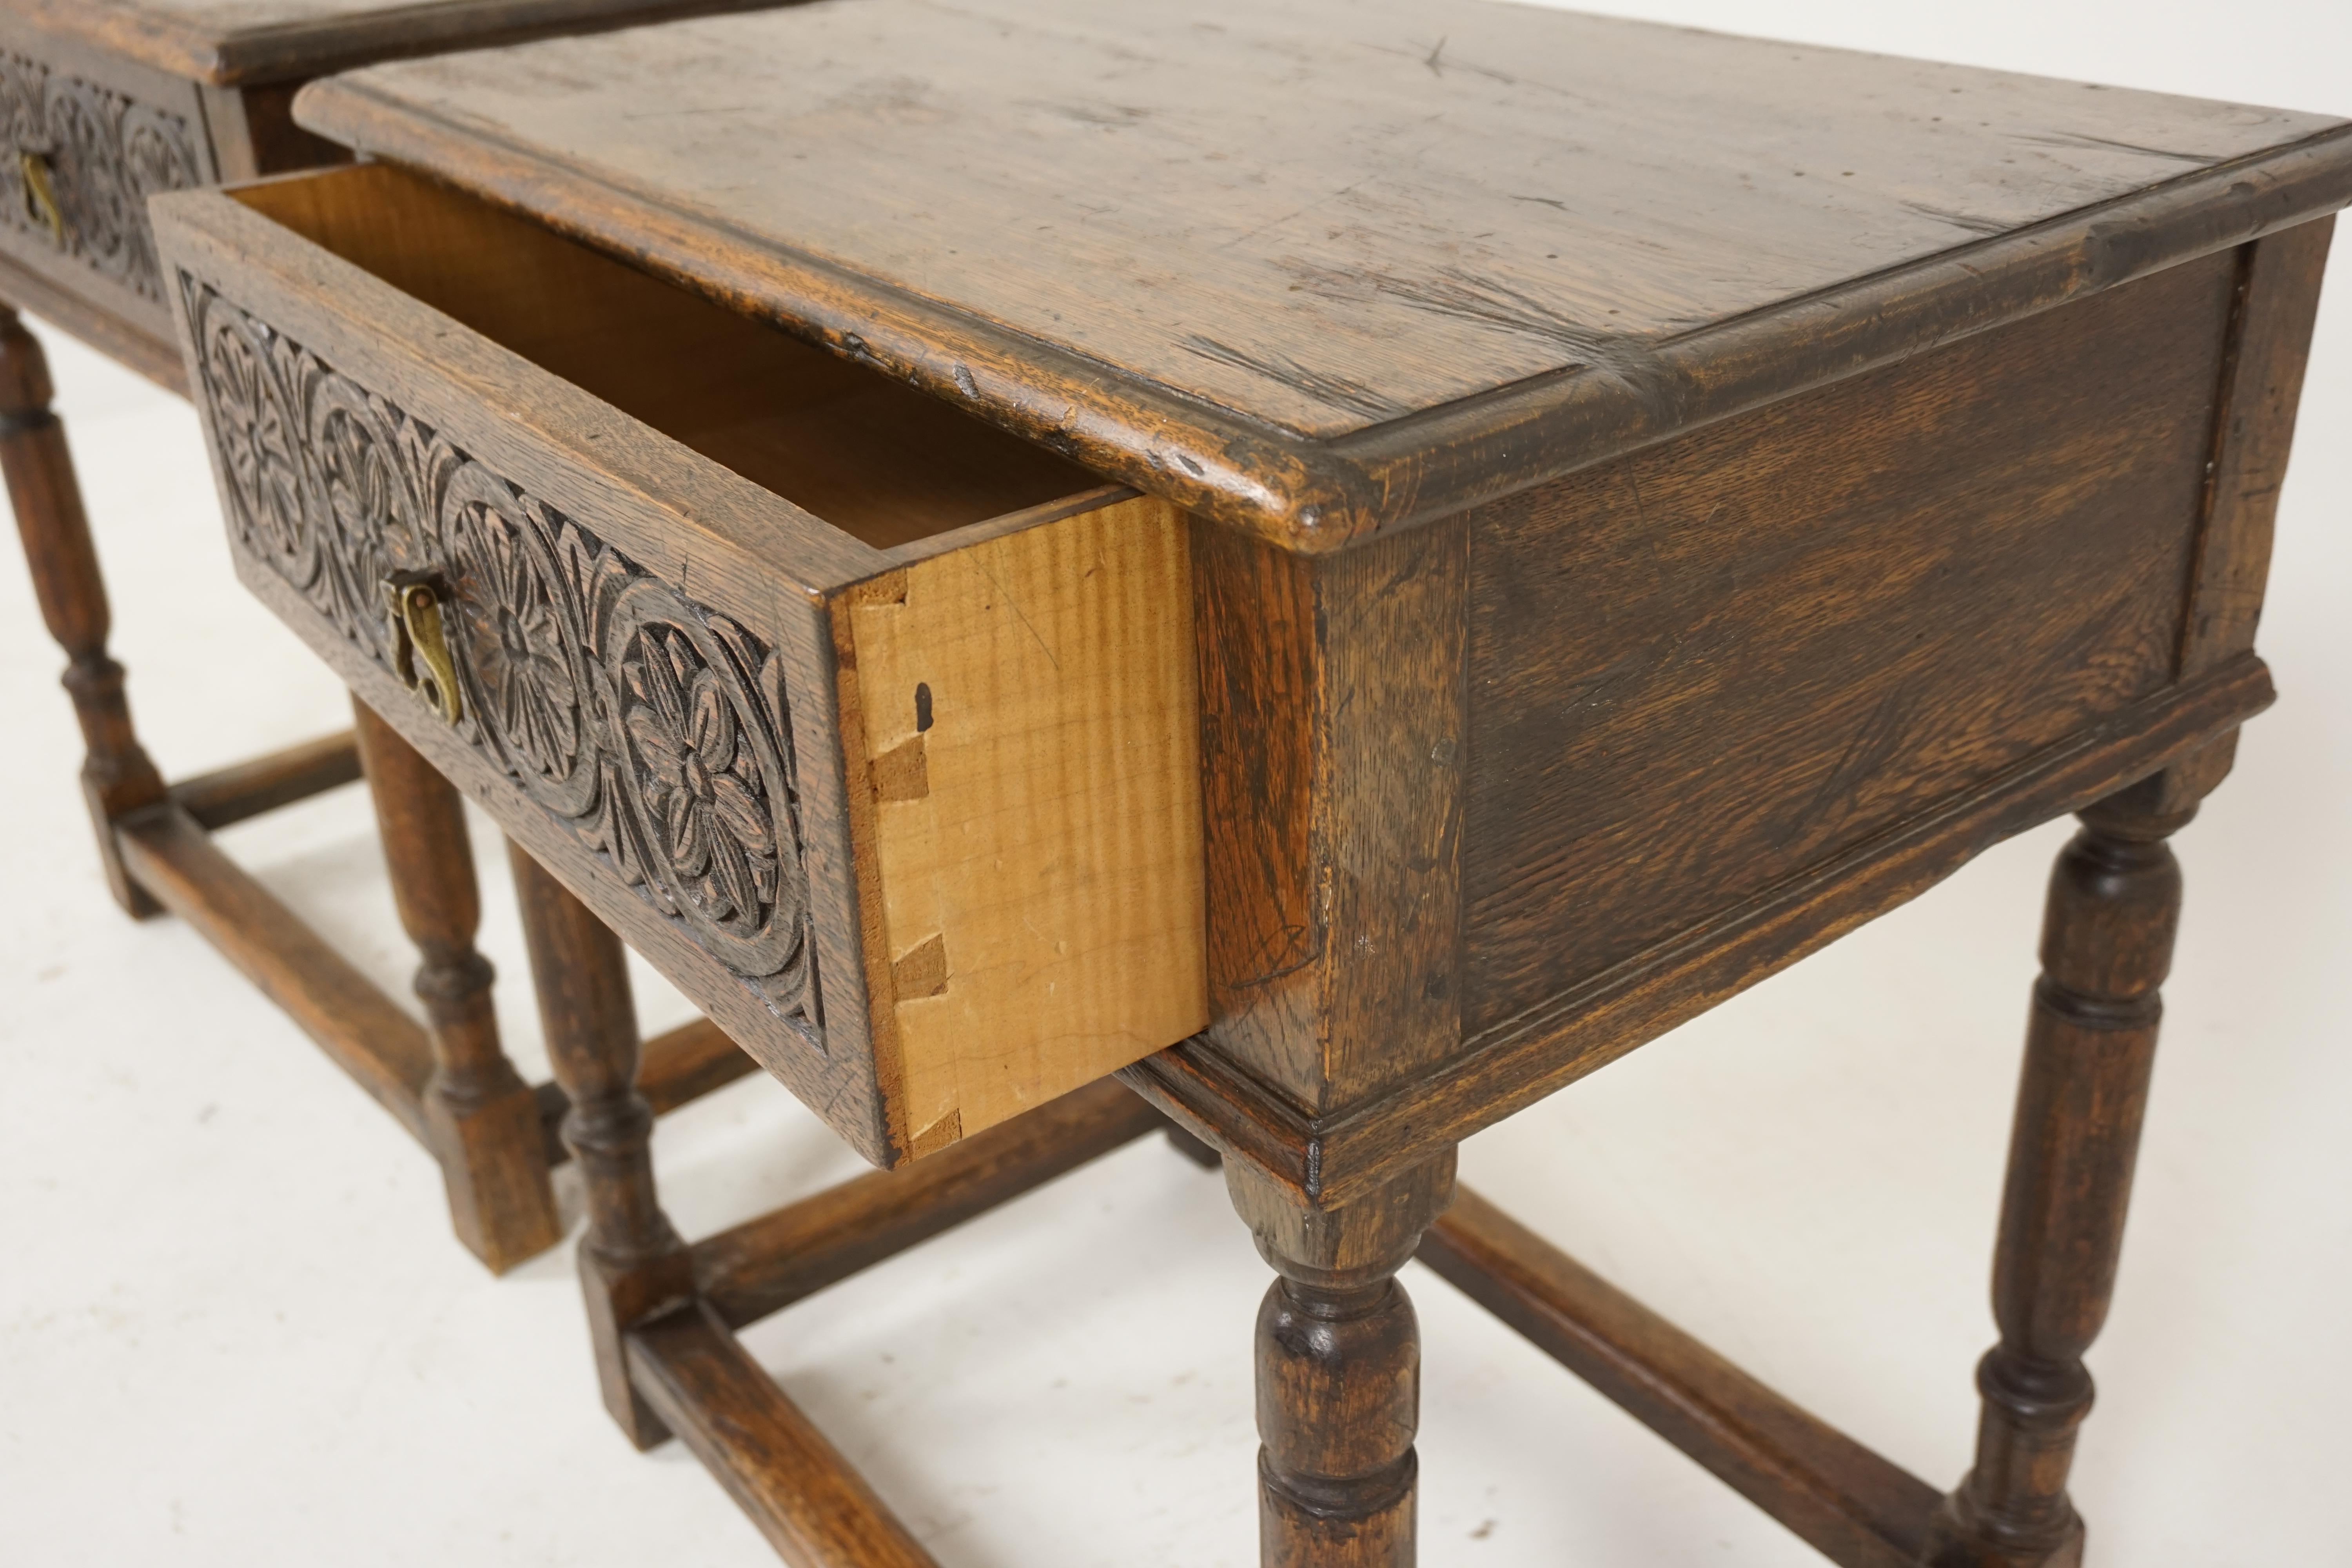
point(240, 42)
point(1320, 266)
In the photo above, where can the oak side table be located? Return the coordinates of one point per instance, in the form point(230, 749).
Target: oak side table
point(1348, 564)
point(102, 104)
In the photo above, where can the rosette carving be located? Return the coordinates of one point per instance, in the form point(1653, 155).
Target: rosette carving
point(656, 729)
point(94, 157)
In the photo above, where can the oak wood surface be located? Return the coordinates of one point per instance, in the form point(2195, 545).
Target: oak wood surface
point(872, 458)
point(1499, 242)
point(764, 1264)
point(814, 1509)
point(1337, 1369)
point(1331, 724)
point(226, 42)
point(1018, 915)
point(117, 777)
point(261, 784)
point(1856, 1509)
point(675, 1067)
point(484, 1120)
point(633, 1263)
point(2262, 384)
point(1024, 714)
point(2107, 931)
point(107, 130)
point(1805, 625)
point(1335, 1158)
point(146, 347)
point(750, 555)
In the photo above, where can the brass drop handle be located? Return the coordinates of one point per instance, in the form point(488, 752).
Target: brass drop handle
point(41, 192)
point(420, 647)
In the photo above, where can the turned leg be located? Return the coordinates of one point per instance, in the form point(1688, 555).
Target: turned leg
point(632, 1264)
point(2106, 942)
point(117, 778)
point(483, 1117)
point(1339, 1370)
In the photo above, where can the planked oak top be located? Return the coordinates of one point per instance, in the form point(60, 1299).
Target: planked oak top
point(1325, 266)
point(240, 42)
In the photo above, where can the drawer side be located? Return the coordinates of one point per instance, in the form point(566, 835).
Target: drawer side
point(1026, 717)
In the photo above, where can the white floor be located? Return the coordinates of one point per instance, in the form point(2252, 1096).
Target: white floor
point(233, 1329)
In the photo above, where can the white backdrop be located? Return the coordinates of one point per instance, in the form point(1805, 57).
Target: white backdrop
point(233, 1329)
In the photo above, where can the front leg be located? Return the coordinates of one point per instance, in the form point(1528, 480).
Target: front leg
point(1339, 1370)
point(2107, 945)
point(633, 1264)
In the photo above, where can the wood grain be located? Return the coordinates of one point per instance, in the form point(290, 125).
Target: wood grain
point(228, 42)
point(1500, 241)
point(764, 1264)
point(875, 460)
point(1854, 1507)
point(1025, 711)
point(1331, 723)
point(2107, 931)
point(1335, 1159)
point(811, 1507)
point(261, 784)
point(1701, 668)
point(2262, 384)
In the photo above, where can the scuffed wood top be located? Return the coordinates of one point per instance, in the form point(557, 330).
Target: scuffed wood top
point(230, 42)
point(1324, 266)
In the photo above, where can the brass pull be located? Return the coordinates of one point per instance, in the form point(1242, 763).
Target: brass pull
point(420, 649)
point(41, 195)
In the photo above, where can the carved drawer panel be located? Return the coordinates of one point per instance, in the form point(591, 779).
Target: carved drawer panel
point(875, 729)
point(84, 142)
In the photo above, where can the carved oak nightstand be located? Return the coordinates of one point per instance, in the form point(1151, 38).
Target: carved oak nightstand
point(104, 103)
point(1351, 563)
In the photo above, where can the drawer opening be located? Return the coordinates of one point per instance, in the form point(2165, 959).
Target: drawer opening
point(880, 460)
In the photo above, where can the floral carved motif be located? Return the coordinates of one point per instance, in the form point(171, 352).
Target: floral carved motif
point(655, 729)
point(101, 155)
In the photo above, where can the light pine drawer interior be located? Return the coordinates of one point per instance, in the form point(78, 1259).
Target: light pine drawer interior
point(872, 726)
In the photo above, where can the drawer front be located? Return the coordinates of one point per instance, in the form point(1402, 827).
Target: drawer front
point(655, 730)
point(920, 827)
point(86, 143)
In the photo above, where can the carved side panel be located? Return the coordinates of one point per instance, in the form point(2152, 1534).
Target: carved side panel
point(657, 729)
point(102, 155)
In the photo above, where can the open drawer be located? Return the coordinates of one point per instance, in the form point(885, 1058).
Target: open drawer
point(873, 728)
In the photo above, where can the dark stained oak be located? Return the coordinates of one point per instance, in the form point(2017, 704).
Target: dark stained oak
point(1501, 240)
point(485, 1121)
point(1339, 1370)
point(633, 1263)
point(261, 784)
point(1607, 511)
point(237, 43)
point(1331, 763)
point(104, 103)
point(1801, 625)
point(764, 1264)
point(814, 1509)
point(1854, 1507)
point(2090, 1047)
point(117, 777)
